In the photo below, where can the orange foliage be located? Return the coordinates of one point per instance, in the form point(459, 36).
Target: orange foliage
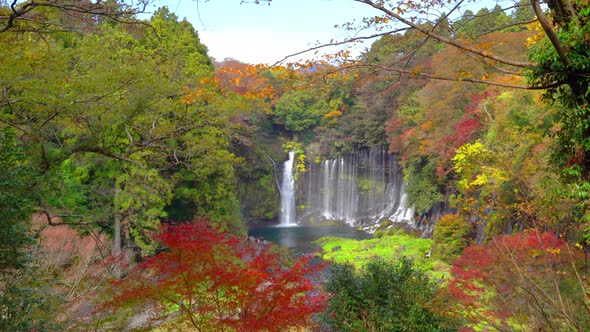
point(244, 79)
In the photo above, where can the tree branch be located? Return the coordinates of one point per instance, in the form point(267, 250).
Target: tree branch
point(465, 79)
point(345, 41)
point(103, 152)
point(550, 33)
point(50, 217)
point(507, 26)
point(19, 10)
point(446, 40)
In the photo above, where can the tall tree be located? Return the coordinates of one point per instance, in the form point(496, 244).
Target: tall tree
point(123, 98)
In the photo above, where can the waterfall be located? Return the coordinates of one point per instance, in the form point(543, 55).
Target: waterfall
point(360, 189)
point(288, 193)
point(274, 169)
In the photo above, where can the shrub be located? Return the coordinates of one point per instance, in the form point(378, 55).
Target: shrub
point(450, 237)
point(384, 296)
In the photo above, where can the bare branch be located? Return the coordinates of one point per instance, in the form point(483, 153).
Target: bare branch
point(346, 41)
point(51, 219)
point(18, 12)
point(436, 24)
point(8, 102)
point(462, 79)
point(446, 40)
point(507, 26)
point(13, 125)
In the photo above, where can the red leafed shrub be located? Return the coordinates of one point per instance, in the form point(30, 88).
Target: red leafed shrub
point(465, 130)
point(216, 281)
point(394, 129)
point(526, 278)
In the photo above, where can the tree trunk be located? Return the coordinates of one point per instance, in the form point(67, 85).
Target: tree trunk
point(117, 236)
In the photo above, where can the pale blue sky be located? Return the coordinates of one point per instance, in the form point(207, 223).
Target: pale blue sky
point(266, 34)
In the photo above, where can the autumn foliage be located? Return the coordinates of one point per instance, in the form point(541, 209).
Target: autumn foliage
point(217, 281)
point(527, 278)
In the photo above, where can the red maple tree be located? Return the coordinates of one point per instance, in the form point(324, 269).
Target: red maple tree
point(219, 282)
point(528, 278)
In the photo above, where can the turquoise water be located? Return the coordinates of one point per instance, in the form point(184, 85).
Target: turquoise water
point(300, 238)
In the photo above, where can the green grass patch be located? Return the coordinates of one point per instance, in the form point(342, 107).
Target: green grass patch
point(387, 247)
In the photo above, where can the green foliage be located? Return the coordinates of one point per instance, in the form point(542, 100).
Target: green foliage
point(259, 199)
point(23, 301)
point(523, 13)
point(485, 20)
point(365, 124)
point(566, 74)
point(17, 199)
point(213, 196)
point(387, 247)
point(300, 110)
point(111, 120)
point(384, 296)
point(393, 47)
point(26, 303)
point(450, 237)
point(422, 187)
point(86, 183)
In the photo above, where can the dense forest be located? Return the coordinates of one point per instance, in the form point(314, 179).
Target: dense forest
point(132, 163)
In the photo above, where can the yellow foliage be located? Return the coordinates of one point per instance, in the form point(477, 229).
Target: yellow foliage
point(535, 253)
point(332, 114)
point(472, 162)
point(466, 153)
point(538, 30)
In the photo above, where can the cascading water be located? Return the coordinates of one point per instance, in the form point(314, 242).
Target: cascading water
point(288, 193)
point(361, 189)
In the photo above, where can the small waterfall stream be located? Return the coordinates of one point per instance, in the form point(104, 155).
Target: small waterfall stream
point(288, 193)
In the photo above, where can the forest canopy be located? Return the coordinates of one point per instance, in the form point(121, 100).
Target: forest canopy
point(130, 159)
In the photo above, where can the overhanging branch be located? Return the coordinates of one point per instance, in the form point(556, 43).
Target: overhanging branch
point(446, 40)
point(460, 79)
point(345, 41)
point(19, 11)
point(550, 33)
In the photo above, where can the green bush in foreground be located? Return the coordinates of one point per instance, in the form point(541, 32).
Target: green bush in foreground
point(384, 296)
